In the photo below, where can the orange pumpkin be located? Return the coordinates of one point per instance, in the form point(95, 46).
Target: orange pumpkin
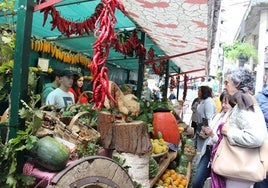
point(165, 122)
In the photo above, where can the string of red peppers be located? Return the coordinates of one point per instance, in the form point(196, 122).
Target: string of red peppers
point(103, 18)
point(105, 35)
point(184, 94)
point(68, 27)
point(158, 69)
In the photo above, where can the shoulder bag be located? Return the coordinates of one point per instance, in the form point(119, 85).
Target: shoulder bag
point(234, 162)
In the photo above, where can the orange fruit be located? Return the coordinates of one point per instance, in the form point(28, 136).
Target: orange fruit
point(184, 182)
point(176, 182)
point(172, 171)
point(164, 176)
point(179, 176)
point(160, 182)
point(174, 176)
point(168, 180)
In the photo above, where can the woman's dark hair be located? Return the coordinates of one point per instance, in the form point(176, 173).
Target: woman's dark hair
point(75, 87)
point(224, 95)
point(205, 92)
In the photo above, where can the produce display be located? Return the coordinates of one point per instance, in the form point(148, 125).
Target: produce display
point(159, 146)
point(50, 154)
point(172, 179)
point(183, 163)
point(189, 149)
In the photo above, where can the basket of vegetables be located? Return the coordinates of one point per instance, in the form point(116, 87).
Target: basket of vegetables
point(76, 131)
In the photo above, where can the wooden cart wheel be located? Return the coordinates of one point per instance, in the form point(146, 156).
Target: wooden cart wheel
point(93, 172)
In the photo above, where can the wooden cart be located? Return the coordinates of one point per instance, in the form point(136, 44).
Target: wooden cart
point(92, 172)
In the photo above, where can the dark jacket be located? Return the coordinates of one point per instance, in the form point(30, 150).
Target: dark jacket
point(262, 98)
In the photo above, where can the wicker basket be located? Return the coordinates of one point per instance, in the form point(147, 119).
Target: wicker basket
point(75, 131)
point(49, 122)
point(88, 94)
point(50, 109)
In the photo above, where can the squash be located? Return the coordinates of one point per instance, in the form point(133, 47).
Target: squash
point(166, 124)
point(50, 154)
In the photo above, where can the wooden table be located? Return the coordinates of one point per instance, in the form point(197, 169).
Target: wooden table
point(163, 166)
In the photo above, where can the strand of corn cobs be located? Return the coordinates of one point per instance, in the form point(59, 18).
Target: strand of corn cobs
point(45, 46)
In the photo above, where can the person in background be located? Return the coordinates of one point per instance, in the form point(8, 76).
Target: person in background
point(203, 168)
point(217, 102)
point(61, 97)
point(262, 98)
point(205, 112)
point(246, 126)
point(54, 83)
point(172, 95)
point(194, 113)
point(77, 89)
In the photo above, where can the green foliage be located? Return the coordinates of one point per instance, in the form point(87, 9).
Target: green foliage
point(89, 119)
point(10, 175)
point(219, 74)
point(121, 162)
point(5, 79)
point(237, 49)
point(88, 150)
point(7, 43)
point(7, 6)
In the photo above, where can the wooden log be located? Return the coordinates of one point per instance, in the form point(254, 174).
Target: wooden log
point(105, 127)
point(132, 137)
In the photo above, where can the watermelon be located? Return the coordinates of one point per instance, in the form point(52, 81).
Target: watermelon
point(153, 167)
point(50, 154)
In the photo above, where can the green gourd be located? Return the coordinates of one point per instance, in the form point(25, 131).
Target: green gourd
point(50, 154)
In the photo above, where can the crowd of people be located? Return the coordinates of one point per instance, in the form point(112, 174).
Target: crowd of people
point(243, 119)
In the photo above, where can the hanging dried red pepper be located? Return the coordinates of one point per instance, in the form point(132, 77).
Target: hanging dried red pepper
point(132, 43)
point(68, 27)
point(105, 36)
point(157, 67)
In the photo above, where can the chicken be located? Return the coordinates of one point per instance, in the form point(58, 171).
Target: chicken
point(126, 104)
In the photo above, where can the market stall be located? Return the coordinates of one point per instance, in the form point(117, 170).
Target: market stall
point(62, 39)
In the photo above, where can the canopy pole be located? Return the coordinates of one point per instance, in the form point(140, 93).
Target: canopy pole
point(19, 88)
point(187, 72)
point(141, 69)
point(166, 81)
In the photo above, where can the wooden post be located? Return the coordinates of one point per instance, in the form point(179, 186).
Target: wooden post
point(105, 128)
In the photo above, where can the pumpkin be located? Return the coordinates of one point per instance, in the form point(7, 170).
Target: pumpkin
point(50, 154)
point(166, 123)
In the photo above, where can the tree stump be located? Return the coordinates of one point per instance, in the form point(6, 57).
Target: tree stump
point(132, 137)
point(105, 127)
